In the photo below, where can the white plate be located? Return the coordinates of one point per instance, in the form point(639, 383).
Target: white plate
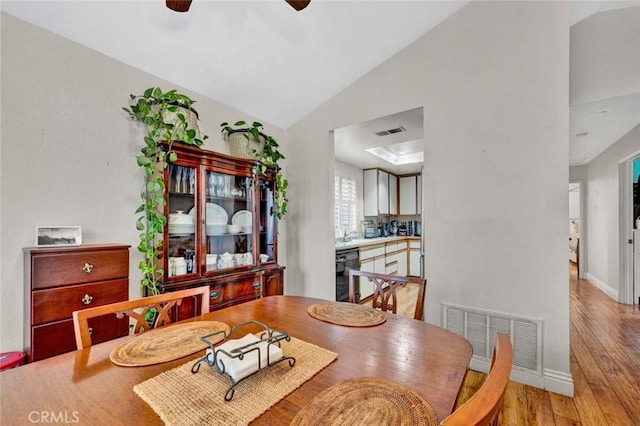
point(242, 218)
point(216, 215)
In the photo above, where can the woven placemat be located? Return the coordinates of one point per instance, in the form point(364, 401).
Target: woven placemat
point(349, 314)
point(180, 397)
point(367, 401)
point(166, 343)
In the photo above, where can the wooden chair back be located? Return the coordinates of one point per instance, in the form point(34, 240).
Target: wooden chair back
point(384, 295)
point(137, 310)
point(484, 407)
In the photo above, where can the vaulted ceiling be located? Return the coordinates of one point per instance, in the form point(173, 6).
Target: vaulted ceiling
point(260, 57)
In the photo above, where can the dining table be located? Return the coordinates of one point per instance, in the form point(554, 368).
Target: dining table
point(85, 387)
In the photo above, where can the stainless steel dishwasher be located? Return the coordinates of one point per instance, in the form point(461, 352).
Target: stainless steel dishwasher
point(346, 259)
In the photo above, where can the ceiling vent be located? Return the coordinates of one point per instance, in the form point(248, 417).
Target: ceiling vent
point(398, 129)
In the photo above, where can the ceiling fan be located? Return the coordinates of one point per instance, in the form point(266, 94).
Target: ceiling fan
point(183, 5)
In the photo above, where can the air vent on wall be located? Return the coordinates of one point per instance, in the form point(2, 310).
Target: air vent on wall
point(391, 131)
point(480, 326)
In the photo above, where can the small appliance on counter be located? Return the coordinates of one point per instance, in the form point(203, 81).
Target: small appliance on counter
point(369, 229)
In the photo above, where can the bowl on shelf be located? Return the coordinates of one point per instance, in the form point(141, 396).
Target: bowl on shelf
point(180, 218)
point(234, 229)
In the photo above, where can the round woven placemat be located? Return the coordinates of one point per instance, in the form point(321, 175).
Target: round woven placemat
point(367, 400)
point(166, 343)
point(349, 314)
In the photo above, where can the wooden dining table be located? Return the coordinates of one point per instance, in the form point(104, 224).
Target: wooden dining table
point(85, 387)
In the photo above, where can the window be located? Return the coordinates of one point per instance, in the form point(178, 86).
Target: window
point(345, 205)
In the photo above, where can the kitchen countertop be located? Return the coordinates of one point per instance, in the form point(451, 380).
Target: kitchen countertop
point(362, 242)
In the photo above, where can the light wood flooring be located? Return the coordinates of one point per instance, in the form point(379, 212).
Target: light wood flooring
point(605, 364)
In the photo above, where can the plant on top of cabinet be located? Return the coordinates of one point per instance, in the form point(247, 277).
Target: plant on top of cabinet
point(169, 117)
point(250, 141)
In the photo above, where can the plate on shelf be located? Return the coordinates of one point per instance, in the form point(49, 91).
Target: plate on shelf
point(242, 218)
point(216, 215)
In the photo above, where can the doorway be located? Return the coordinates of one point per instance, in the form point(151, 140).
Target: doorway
point(629, 173)
point(575, 225)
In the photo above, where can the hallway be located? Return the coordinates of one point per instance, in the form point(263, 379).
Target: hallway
point(605, 364)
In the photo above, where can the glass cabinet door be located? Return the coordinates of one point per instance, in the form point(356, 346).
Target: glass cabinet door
point(267, 222)
point(228, 221)
point(181, 243)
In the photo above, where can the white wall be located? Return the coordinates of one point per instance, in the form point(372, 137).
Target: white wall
point(68, 152)
point(602, 213)
point(605, 58)
point(493, 81)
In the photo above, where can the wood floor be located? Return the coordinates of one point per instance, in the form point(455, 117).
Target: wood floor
point(605, 364)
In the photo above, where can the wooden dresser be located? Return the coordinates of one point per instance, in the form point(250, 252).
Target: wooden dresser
point(60, 280)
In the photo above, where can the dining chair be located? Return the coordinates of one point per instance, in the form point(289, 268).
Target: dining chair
point(137, 310)
point(385, 295)
point(484, 406)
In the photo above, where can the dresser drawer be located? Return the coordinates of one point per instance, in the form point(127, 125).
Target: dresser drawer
point(58, 337)
point(77, 267)
point(58, 303)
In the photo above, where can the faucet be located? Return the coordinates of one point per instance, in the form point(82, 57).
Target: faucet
point(345, 236)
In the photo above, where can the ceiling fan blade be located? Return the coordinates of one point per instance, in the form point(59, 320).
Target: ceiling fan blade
point(297, 4)
point(178, 5)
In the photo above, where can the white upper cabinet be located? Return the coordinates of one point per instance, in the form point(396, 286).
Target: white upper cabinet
point(383, 192)
point(410, 191)
point(393, 194)
point(370, 189)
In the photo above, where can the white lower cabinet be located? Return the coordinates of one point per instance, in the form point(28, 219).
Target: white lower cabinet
point(414, 258)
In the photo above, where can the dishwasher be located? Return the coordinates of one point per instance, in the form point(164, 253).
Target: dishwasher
point(346, 260)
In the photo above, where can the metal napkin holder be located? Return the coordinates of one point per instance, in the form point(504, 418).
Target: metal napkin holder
point(273, 337)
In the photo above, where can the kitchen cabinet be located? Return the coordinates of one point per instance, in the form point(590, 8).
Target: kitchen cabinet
point(410, 188)
point(380, 193)
point(60, 280)
point(414, 258)
point(220, 231)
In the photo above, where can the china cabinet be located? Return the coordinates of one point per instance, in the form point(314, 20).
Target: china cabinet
point(219, 231)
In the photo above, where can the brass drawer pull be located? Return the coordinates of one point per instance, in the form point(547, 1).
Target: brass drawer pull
point(87, 267)
point(86, 300)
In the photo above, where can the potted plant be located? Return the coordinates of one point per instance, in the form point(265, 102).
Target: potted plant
point(168, 117)
point(250, 141)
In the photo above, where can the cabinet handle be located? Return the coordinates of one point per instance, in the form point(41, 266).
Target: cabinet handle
point(214, 294)
point(90, 331)
point(257, 285)
point(86, 300)
point(87, 267)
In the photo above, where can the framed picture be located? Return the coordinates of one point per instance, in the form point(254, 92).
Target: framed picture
point(50, 236)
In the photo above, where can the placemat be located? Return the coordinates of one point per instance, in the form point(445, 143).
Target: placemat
point(367, 401)
point(166, 343)
point(180, 397)
point(349, 314)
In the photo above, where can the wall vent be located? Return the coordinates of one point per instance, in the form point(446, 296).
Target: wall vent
point(480, 328)
point(391, 131)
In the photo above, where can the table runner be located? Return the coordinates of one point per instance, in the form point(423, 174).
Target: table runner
point(180, 397)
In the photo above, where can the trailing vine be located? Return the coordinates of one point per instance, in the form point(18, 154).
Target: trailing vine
point(166, 116)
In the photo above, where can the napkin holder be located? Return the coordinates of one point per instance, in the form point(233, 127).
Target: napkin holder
point(231, 356)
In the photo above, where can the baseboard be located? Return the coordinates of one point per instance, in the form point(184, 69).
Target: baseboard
point(606, 288)
point(551, 380)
